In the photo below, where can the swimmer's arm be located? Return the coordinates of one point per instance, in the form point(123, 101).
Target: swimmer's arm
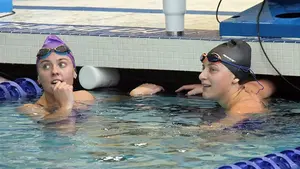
point(268, 90)
point(37, 113)
point(60, 114)
point(236, 114)
point(146, 89)
point(34, 111)
point(42, 116)
point(226, 122)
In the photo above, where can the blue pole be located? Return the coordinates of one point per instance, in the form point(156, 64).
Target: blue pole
point(6, 5)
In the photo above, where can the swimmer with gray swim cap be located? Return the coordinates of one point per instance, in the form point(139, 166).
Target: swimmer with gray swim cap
point(235, 55)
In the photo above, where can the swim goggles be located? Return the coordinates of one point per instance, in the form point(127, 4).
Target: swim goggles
point(215, 57)
point(59, 49)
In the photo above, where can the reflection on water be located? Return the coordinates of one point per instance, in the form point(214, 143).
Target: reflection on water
point(149, 132)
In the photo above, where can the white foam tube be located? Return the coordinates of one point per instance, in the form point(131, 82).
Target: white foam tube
point(174, 16)
point(91, 77)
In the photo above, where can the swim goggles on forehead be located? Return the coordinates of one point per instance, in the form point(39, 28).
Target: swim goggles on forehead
point(215, 57)
point(59, 49)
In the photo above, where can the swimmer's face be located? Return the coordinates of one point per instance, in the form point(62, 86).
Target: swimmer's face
point(217, 80)
point(55, 68)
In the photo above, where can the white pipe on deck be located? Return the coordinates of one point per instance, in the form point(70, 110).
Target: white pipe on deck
point(174, 16)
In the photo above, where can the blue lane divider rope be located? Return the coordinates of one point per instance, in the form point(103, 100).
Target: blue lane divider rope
point(287, 159)
point(19, 89)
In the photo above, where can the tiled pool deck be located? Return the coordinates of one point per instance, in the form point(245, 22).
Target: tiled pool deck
point(130, 34)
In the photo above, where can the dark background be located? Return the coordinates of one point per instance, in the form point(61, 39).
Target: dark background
point(170, 80)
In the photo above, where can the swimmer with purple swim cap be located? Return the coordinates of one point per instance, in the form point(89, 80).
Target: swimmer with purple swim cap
point(56, 73)
point(54, 43)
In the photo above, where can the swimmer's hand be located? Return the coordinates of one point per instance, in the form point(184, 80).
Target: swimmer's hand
point(146, 89)
point(63, 93)
point(194, 89)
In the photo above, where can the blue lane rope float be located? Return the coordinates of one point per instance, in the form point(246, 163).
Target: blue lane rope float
point(29, 86)
point(15, 91)
point(287, 159)
point(19, 89)
point(4, 93)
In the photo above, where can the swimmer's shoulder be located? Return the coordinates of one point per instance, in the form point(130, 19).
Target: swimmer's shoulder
point(248, 106)
point(83, 95)
point(255, 87)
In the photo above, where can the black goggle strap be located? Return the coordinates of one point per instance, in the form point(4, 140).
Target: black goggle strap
point(246, 69)
point(254, 76)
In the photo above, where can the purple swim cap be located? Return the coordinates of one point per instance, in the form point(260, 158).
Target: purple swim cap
point(53, 41)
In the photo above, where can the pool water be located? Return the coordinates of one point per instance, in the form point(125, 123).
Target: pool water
point(149, 132)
